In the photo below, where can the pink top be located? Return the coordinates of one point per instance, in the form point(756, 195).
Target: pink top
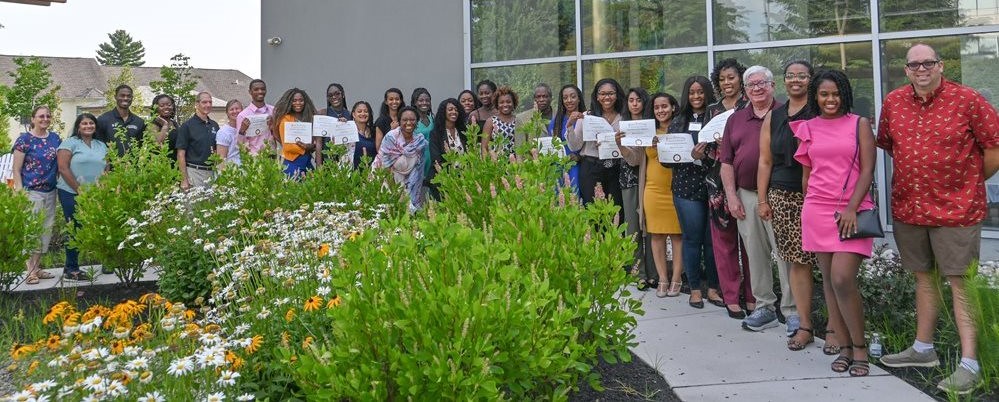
point(255, 144)
point(829, 148)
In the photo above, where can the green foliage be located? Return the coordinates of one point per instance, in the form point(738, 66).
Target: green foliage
point(339, 182)
point(32, 87)
point(888, 293)
point(121, 51)
point(522, 29)
point(983, 297)
point(126, 77)
point(21, 229)
point(476, 301)
point(5, 143)
point(107, 209)
point(178, 81)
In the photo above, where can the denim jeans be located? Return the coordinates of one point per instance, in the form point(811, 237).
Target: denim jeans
point(696, 240)
point(68, 202)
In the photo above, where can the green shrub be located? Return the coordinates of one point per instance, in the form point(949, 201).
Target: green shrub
point(362, 189)
point(983, 296)
point(107, 209)
point(21, 229)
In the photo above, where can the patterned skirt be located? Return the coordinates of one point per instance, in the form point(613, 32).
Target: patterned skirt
point(786, 207)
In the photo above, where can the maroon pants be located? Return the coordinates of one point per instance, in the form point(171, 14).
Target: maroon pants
point(728, 252)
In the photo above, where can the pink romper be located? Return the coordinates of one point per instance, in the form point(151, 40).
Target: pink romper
point(829, 148)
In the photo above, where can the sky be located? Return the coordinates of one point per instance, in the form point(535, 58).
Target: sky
point(222, 34)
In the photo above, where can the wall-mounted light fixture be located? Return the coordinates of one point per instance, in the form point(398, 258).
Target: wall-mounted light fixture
point(275, 41)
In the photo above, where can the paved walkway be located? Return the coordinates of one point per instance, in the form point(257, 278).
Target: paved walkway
point(57, 282)
point(706, 356)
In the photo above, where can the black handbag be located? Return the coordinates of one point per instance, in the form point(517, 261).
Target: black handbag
point(868, 220)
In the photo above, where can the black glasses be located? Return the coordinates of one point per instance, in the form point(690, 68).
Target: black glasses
point(928, 64)
point(798, 76)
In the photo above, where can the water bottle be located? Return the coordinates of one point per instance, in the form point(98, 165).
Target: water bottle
point(875, 349)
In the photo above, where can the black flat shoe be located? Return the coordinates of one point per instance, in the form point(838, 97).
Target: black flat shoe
point(717, 302)
point(738, 315)
point(696, 304)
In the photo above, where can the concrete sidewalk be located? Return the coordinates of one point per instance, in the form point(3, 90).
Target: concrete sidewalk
point(706, 356)
point(58, 282)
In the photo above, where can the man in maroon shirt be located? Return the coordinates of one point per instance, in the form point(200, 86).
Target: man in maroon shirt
point(944, 141)
point(740, 155)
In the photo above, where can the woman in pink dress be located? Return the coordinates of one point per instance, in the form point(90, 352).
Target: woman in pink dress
point(837, 147)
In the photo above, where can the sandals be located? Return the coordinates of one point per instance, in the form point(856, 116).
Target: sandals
point(842, 362)
point(661, 290)
point(32, 280)
point(796, 345)
point(674, 289)
point(830, 349)
point(860, 368)
point(77, 276)
point(44, 275)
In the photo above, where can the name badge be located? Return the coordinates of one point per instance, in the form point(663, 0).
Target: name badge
point(694, 126)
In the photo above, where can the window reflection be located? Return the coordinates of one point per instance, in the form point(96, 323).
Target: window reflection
point(660, 73)
point(767, 20)
point(617, 26)
point(903, 15)
point(522, 29)
point(524, 78)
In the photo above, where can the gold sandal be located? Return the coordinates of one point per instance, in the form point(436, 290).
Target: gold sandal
point(674, 289)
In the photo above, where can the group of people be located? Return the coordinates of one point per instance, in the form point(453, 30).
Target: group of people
point(785, 178)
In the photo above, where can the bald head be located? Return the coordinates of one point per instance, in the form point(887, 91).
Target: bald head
point(921, 49)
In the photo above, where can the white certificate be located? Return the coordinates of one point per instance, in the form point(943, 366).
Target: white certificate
point(299, 131)
point(675, 148)
point(593, 126)
point(713, 130)
point(547, 147)
point(258, 125)
point(322, 126)
point(607, 146)
point(345, 132)
point(638, 133)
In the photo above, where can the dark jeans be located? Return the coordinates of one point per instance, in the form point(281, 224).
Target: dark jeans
point(68, 202)
point(696, 239)
point(591, 172)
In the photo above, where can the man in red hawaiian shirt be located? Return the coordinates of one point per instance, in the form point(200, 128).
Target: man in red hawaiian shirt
point(944, 141)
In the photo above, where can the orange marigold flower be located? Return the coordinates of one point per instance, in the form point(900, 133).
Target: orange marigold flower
point(335, 301)
point(189, 314)
point(290, 315)
point(118, 346)
point(324, 250)
point(57, 311)
point(306, 342)
point(150, 298)
point(313, 303)
point(255, 343)
point(234, 361)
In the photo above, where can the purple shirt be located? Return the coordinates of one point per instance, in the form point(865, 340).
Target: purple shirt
point(255, 144)
point(740, 145)
point(38, 173)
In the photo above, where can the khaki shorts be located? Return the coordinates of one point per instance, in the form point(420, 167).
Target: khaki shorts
point(951, 249)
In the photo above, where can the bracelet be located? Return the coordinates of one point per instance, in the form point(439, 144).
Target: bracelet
point(762, 203)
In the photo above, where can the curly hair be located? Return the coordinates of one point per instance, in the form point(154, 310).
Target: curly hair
point(722, 65)
point(154, 108)
point(842, 84)
point(283, 107)
point(503, 91)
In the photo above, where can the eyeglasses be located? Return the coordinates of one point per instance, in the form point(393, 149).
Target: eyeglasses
point(799, 76)
point(928, 64)
point(606, 94)
point(758, 84)
point(332, 94)
point(44, 116)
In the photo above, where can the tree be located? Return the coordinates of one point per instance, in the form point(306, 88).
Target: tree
point(178, 81)
point(124, 77)
point(122, 51)
point(32, 87)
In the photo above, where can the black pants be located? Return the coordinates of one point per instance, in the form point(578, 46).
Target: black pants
point(591, 172)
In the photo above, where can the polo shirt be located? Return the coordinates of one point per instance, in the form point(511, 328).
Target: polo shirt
point(87, 162)
point(197, 138)
point(108, 123)
point(740, 145)
point(937, 148)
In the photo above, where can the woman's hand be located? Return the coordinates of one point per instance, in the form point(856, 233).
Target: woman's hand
point(847, 222)
point(618, 136)
point(574, 116)
point(308, 148)
point(764, 211)
point(700, 151)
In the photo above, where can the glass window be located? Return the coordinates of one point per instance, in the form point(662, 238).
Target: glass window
point(905, 15)
point(972, 60)
point(524, 78)
point(522, 29)
point(743, 21)
point(618, 26)
point(854, 58)
point(657, 73)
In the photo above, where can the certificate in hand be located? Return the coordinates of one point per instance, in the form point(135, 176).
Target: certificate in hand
point(638, 133)
point(345, 132)
point(547, 147)
point(713, 130)
point(258, 125)
point(299, 131)
point(675, 148)
point(322, 126)
point(593, 126)
point(607, 146)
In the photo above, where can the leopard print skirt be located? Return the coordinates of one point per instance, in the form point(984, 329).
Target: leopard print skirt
point(786, 208)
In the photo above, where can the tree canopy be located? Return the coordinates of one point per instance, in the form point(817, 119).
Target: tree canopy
point(122, 50)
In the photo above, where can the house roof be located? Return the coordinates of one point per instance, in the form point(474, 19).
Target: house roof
point(84, 79)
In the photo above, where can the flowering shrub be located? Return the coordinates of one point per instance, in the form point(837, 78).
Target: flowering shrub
point(106, 209)
point(20, 229)
point(888, 293)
